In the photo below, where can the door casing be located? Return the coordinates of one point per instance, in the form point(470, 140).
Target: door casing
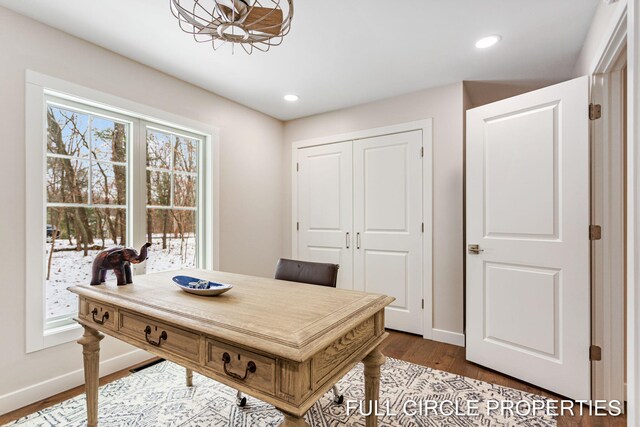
point(608, 192)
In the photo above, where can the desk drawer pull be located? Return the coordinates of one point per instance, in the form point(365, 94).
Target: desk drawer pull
point(251, 367)
point(105, 316)
point(163, 336)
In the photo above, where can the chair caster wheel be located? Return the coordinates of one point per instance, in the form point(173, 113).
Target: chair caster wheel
point(242, 402)
point(338, 400)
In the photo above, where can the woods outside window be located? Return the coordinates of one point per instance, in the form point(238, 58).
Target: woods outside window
point(87, 177)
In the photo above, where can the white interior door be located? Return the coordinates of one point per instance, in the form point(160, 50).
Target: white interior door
point(325, 207)
point(528, 290)
point(388, 224)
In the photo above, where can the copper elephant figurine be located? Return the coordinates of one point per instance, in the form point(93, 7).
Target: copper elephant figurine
point(119, 260)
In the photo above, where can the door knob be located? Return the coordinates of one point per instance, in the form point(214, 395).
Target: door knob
point(475, 249)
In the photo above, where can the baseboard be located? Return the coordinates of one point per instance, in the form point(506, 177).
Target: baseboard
point(34, 393)
point(453, 338)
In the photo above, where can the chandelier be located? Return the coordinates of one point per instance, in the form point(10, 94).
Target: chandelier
point(257, 24)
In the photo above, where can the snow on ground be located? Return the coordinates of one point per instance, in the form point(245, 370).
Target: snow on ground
point(71, 267)
point(172, 258)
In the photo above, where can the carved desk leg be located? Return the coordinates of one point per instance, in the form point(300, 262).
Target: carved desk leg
point(90, 342)
point(293, 421)
point(372, 364)
point(189, 377)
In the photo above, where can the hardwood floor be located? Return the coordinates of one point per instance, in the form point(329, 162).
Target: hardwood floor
point(399, 345)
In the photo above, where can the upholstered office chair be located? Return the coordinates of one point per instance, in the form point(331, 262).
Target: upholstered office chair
point(314, 273)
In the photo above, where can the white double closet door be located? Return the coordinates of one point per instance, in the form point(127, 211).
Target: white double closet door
point(359, 205)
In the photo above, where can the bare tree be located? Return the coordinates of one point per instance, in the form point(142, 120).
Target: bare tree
point(71, 182)
point(54, 235)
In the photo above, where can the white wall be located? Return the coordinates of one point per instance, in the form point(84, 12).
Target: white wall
point(251, 178)
point(485, 92)
point(445, 106)
point(597, 37)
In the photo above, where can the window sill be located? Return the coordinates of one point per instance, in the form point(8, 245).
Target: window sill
point(61, 335)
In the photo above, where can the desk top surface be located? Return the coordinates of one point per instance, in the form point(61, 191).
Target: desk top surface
point(283, 318)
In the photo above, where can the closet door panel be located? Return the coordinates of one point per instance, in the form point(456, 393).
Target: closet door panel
point(388, 224)
point(325, 207)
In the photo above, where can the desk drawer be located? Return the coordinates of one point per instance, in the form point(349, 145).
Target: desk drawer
point(99, 313)
point(242, 366)
point(161, 335)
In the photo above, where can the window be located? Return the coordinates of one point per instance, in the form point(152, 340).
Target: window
point(88, 174)
point(109, 177)
point(86, 200)
point(172, 209)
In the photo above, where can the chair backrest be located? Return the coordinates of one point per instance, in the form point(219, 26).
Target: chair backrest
point(314, 273)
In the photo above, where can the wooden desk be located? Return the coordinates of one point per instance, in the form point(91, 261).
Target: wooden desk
point(301, 339)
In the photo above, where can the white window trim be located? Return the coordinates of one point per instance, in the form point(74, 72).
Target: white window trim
point(38, 86)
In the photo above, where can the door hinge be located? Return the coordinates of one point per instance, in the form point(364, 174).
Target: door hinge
point(423, 227)
point(297, 167)
point(595, 232)
point(423, 304)
point(297, 226)
point(595, 111)
point(421, 151)
point(595, 353)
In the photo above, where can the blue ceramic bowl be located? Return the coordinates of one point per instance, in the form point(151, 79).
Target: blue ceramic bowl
point(197, 286)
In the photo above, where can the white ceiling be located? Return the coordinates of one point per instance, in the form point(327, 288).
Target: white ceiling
point(341, 53)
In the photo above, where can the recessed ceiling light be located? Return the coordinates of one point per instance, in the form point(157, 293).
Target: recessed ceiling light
point(291, 98)
point(488, 41)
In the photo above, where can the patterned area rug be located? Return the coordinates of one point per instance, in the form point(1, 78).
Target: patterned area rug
point(157, 396)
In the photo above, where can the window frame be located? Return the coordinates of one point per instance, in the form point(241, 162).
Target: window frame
point(42, 90)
